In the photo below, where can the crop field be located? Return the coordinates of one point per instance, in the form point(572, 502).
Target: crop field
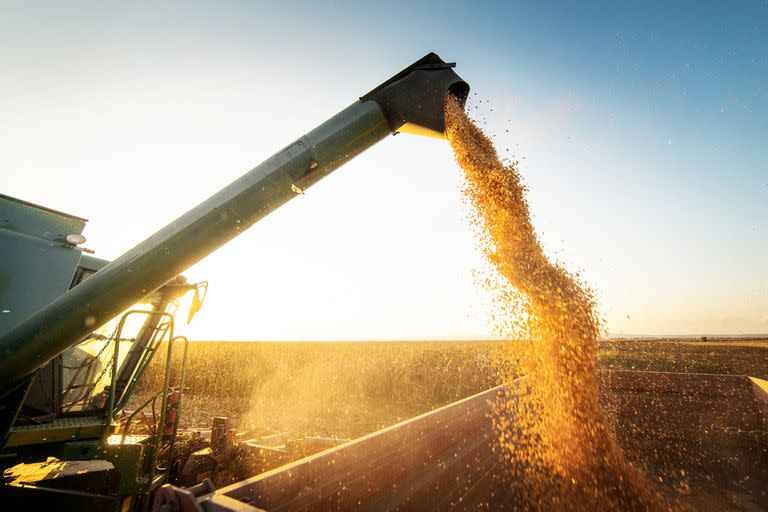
point(350, 389)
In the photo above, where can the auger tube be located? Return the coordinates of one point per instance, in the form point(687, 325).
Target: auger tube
point(413, 98)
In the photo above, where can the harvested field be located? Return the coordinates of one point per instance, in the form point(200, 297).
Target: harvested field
point(728, 356)
point(350, 389)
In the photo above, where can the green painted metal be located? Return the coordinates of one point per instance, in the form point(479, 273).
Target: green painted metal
point(189, 238)
point(59, 430)
point(38, 221)
point(130, 459)
point(157, 335)
point(37, 262)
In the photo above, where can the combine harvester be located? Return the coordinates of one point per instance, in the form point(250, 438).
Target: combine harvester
point(77, 334)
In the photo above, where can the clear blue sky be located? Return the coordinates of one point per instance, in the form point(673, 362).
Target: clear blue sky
point(641, 129)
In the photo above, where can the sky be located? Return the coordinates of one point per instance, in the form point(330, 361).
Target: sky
point(640, 129)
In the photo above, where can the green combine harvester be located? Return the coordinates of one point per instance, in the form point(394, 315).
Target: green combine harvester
point(77, 334)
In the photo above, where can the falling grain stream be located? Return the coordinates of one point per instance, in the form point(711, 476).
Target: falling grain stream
point(554, 433)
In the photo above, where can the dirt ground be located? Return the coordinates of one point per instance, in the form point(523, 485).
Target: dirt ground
point(728, 356)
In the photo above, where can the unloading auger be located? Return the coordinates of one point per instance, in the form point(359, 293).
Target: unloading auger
point(411, 101)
